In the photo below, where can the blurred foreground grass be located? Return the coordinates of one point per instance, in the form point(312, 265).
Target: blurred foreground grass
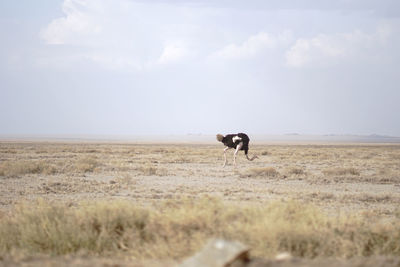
point(177, 228)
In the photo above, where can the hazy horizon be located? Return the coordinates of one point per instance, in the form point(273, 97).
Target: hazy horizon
point(131, 67)
point(209, 139)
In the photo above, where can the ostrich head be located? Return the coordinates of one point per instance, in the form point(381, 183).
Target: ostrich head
point(220, 137)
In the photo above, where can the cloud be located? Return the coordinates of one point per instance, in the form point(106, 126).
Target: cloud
point(115, 35)
point(172, 53)
point(139, 35)
point(253, 46)
point(77, 25)
point(330, 49)
point(124, 35)
point(316, 50)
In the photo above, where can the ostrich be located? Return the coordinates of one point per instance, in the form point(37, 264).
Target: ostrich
point(238, 141)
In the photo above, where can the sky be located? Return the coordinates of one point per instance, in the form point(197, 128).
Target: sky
point(126, 67)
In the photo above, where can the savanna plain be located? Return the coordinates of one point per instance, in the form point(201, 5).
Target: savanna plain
point(148, 204)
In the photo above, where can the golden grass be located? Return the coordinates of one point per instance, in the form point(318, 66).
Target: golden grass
point(176, 229)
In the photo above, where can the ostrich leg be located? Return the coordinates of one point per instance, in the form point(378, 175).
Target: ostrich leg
point(239, 146)
point(225, 149)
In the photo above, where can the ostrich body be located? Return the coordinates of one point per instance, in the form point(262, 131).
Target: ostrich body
point(238, 141)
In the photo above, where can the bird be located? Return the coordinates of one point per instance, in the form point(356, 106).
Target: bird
point(238, 141)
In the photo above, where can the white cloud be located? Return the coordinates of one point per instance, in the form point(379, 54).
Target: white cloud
point(117, 34)
point(317, 49)
point(173, 52)
point(77, 25)
point(330, 49)
point(254, 45)
point(136, 35)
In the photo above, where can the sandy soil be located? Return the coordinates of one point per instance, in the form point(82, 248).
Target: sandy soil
point(144, 173)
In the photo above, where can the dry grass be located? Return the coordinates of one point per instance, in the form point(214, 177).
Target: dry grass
point(47, 167)
point(86, 164)
point(354, 186)
point(175, 229)
point(295, 171)
point(149, 170)
point(260, 172)
point(362, 163)
point(18, 168)
point(341, 171)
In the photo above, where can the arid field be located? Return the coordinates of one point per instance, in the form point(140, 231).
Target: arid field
point(145, 204)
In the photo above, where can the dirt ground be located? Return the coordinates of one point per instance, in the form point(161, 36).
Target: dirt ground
point(338, 178)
